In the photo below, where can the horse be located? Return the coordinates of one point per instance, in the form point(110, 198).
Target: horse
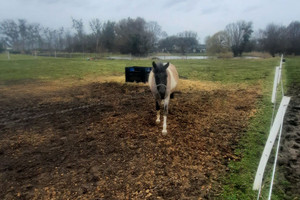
point(163, 80)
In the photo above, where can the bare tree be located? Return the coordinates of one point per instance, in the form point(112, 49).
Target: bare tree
point(187, 41)
point(23, 31)
point(48, 35)
point(33, 36)
point(273, 39)
point(9, 29)
point(293, 38)
point(69, 40)
point(155, 32)
point(239, 34)
point(188, 34)
point(108, 36)
point(133, 36)
point(167, 44)
point(163, 35)
point(78, 26)
point(61, 39)
point(184, 42)
point(218, 43)
point(96, 27)
point(2, 45)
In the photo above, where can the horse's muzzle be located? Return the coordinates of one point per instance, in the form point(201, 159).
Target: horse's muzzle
point(161, 92)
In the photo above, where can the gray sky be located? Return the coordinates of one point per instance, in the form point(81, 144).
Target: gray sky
point(205, 17)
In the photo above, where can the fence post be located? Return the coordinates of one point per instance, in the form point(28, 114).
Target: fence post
point(8, 56)
point(275, 83)
point(269, 144)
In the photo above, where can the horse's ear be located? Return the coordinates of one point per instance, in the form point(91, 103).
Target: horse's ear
point(166, 65)
point(154, 65)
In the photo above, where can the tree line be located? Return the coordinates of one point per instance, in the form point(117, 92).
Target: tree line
point(139, 37)
point(238, 38)
point(135, 36)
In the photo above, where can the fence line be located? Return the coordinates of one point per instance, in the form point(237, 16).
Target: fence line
point(276, 126)
point(275, 160)
point(270, 142)
point(275, 84)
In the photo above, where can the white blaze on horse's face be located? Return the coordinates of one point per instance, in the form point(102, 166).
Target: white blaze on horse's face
point(163, 80)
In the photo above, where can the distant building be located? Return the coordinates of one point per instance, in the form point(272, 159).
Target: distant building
point(201, 48)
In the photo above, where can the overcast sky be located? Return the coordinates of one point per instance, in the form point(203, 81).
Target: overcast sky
point(205, 17)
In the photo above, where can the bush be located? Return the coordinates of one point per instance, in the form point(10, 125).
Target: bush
point(258, 54)
point(225, 55)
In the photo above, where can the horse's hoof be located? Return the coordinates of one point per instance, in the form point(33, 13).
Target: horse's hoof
point(157, 121)
point(164, 132)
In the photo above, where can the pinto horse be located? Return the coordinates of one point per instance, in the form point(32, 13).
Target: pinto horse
point(163, 80)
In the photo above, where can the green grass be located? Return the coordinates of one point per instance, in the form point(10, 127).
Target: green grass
point(293, 71)
point(226, 70)
point(21, 67)
point(238, 184)
point(18, 70)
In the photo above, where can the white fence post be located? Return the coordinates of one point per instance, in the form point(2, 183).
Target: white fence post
point(279, 75)
point(281, 61)
point(275, 160)
point(275, 83)
point(269, 144)
point(8, 56)
point(275, 126)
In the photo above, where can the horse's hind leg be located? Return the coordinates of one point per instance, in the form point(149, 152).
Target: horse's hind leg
point(157, 112)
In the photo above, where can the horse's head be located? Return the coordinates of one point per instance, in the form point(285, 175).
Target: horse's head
point(160, 75)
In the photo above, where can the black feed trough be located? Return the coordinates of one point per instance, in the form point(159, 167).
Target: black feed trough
point(137, 74)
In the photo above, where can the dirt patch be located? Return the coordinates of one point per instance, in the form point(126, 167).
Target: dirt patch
point(289, 157)
point(100, 141)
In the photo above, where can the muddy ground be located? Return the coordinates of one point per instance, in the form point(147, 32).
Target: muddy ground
point(100, 141)
point(289, 156)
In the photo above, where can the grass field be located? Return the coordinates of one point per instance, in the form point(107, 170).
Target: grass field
point(22, 67)
point(293, 70)
point(237, 184)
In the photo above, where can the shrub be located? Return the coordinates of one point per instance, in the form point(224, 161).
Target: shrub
point(225, 55)
point(258, 54)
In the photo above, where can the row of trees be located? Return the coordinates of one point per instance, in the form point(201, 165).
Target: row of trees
point(135, 36)
point(238, 38)
point(183, 42)
point(139, 37)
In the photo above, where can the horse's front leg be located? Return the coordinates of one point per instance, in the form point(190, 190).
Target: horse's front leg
point(157, 111)
point(166, 104)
